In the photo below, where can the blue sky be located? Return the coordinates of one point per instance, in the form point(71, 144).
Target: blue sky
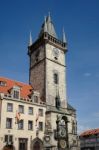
point(80, 19)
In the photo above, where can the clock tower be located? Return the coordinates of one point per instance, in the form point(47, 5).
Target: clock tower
point(47, 65)
point(47, 74)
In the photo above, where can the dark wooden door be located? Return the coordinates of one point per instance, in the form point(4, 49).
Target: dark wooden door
point(23, 143)
point(36, 146)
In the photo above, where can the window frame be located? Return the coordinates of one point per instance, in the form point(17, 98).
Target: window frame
point(30, 125)
point(30, 112)
point(40, 113)
point(21, 124)
point(8, 123)
point(11, 107)
point(56, 78)
point(41, 126)
point(21, 107)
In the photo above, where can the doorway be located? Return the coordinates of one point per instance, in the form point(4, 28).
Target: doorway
point(23, 143)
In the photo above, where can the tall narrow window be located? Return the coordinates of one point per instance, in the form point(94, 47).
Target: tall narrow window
point(20, 125)
point(30, 125)
point(40, 112)
point(9, 123)
point(35, 99)
point(55, 78)
point(41, 126)
point(9, 107)
point(16, 94)
point(30, 111)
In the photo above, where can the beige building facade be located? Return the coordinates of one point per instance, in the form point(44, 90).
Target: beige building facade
point(40, 116)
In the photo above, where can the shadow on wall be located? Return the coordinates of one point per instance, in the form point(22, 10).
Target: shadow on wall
point(8, 147)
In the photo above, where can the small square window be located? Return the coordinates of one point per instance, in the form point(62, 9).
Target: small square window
point(20, 124)
point(30, 125)
point(9, 107)
point(30, 111)
point(8, 123)
point(41, 126)
point(21, 109)
point(40, 112)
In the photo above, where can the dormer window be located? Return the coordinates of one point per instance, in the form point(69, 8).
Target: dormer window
point(35, 99)
point(2, 83)
point(16, 92)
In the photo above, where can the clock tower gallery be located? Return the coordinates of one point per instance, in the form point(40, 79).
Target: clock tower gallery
point(47, 75)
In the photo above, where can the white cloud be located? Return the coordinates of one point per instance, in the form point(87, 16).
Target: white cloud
point(96, 114)
point(82, 128)
point(87, 74)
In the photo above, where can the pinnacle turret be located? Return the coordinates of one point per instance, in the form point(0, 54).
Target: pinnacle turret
point(64, 37)
point(30, 40)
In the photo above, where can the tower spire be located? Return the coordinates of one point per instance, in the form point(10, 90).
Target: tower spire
point(30, 40)
point(45, 25)
point(49, 17)
point(64, 37)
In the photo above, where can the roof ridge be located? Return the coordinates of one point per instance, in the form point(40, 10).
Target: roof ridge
point(15, 80)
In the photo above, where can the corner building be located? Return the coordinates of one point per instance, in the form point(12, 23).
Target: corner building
point(53, 124)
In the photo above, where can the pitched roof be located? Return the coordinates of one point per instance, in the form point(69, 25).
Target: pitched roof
point(7, 84)
point(90, 132)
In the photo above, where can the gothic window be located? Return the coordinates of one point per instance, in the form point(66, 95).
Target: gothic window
point(8, 123)
point(9, 107)
point(56, 78)
point(21, 109)
point(20, 124)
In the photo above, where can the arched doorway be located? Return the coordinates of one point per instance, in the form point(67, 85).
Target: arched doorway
point(37, 144)
point(9, 147)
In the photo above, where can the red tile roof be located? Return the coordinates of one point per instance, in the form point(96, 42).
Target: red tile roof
point(25, 89)
point(90, 132)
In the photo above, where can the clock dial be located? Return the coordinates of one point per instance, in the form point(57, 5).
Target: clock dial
point(55, 52)
point(62, 144)
point(62, 132)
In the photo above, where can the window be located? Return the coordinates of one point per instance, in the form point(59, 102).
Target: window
point(30, 125)
point(40, 112)
point(20, 124)
point(9, 138)
point(30, 111)
point(8, 123)
point(41, 126)
point(55, 78)
point(9, 107)
point(35, 99)
point(2, 83)
point(16, 94)
point(21, 109)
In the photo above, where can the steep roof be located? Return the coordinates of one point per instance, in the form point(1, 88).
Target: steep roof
point(7, 84)
point(48, 27)
point(90, 132)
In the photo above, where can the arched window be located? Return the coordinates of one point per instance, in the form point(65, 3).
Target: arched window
point(56, 78)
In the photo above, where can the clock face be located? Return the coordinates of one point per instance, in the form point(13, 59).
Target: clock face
point(62, 144)
point(55, 52)
point(62, 132)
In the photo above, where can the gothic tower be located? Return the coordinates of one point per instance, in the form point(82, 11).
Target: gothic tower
point(47, 65)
